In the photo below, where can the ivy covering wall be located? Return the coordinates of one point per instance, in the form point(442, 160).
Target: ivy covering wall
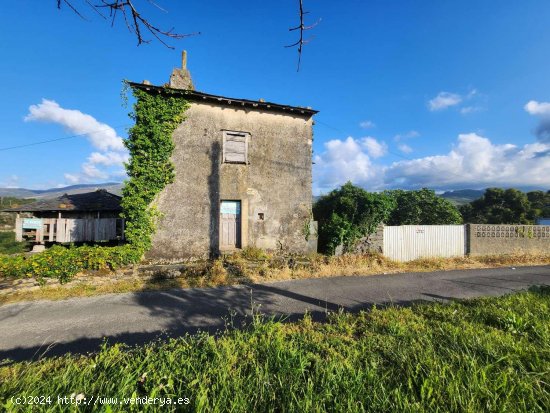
point(150, 169)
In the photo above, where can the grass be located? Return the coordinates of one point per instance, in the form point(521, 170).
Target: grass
point(8, 245)
point(483, 355)
point(252, 265)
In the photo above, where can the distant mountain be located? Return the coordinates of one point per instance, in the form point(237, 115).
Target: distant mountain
point(458, 197)
point(463, 196)
point(113, 187)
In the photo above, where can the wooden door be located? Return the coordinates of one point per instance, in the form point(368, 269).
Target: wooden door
point(230, 224)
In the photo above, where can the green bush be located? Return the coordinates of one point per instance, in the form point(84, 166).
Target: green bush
point(422, 207)
point(64, 263)
point(349, 213)
point(506, 206)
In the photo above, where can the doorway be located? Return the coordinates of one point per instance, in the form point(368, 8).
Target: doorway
point(230, 225)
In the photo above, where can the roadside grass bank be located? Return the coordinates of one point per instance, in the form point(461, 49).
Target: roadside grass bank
point(481, 355)
point(249, 266)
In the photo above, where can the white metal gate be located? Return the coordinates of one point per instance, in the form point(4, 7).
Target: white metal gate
point(409, 242)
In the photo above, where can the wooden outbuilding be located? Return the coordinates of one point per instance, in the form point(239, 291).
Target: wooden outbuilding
point(87, 217)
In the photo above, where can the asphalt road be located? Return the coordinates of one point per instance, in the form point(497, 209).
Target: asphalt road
point(32, 330)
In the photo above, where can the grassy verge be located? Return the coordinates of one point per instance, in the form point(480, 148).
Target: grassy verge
point(488, 354)
point(255, 266)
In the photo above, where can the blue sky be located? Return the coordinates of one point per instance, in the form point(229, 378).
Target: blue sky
point(427, 93)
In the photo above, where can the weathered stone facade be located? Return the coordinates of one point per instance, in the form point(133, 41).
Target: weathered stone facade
point(371, 243)
point(273, 186)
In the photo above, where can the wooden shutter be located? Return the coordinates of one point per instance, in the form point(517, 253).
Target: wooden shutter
point(235, 147)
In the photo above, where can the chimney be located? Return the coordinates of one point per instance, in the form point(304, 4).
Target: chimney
point(181, 78)
point(184, 60)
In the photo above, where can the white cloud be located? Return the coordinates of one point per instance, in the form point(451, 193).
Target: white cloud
point(111, 151)
point(404, 148)
point(473, 161)
point(444, 100)
point(367, 124)
point(538, 108)
point(108, 158)
point(71, 179)
point(91, 172)
point(342, 161)
point(374, 148)
point(11, 182)
point(542, 110)
point(409, 135)
point(101, 135)
point(470, 109)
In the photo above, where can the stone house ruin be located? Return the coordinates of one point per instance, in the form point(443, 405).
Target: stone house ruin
point(242, 176)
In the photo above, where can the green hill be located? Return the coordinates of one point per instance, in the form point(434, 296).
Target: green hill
point(463, 196)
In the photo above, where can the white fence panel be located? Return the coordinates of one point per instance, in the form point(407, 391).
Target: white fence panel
point(409, 242)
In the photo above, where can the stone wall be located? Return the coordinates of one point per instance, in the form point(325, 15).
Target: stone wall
point(371, 243)
point(274, 188)
point(485, 239)
point(313, 237)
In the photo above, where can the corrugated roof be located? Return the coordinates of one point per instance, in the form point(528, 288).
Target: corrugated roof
point(193, 95)
point(99, 200)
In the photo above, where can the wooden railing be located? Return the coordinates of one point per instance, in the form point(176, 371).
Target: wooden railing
point(69, 229)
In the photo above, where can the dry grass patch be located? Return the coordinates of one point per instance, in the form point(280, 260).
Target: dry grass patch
point(319, 266)
point(255, 266)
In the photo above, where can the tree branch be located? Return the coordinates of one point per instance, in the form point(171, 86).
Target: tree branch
point(302, 28)
point(68, 3)
point(134, 20)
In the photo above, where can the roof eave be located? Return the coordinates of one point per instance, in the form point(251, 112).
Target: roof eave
point(205, 97)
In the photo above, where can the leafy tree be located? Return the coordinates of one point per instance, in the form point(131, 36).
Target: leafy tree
point(499, 206)
point(349, 213)
point(422, 207)
point(540, 204)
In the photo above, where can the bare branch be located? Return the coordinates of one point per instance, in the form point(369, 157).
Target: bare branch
point(68, 3)
point(301, 27)
point(133, 19)
point(89, 3)
point(157, 6)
